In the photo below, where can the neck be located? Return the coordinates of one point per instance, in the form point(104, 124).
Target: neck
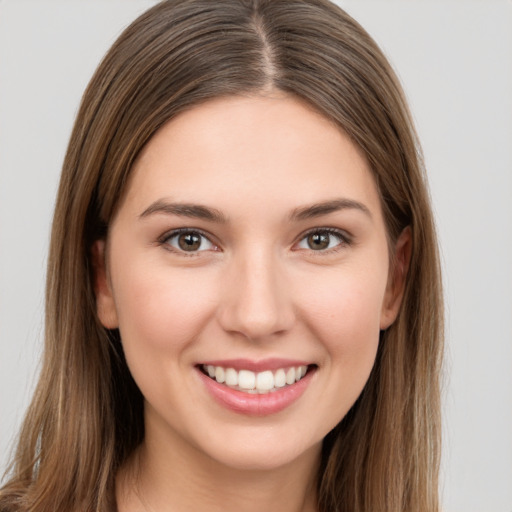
point(178, 478)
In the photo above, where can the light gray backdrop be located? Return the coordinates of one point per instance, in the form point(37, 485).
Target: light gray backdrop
point(455, 59)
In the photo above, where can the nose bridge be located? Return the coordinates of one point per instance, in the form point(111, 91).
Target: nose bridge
point(257, 302)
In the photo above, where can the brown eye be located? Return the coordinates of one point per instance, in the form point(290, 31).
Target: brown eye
point(189, 241)
point(318, 241)
point(324, 240)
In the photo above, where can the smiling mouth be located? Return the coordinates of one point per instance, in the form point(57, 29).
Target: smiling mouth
point(251, 382)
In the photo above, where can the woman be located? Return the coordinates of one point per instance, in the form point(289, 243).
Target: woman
point(243, 298)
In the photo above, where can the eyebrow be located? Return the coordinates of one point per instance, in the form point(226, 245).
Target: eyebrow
point(194, 211)
point(197, 211)
point(326, 207)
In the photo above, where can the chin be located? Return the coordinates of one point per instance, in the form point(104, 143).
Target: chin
point(262, 451)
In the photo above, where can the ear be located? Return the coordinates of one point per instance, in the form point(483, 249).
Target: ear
point(105, 305)
point(397, 279)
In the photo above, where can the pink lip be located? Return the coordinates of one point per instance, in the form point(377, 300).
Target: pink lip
point(256, 404)
point(256, 366)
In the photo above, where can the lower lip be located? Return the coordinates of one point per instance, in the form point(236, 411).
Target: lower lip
point(256, 404)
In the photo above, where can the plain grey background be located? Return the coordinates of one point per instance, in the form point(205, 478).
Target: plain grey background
point(455, 60)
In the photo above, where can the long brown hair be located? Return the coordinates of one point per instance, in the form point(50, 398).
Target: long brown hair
point(86, 415)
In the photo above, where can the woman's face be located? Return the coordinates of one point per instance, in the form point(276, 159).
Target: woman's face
point(250, 248)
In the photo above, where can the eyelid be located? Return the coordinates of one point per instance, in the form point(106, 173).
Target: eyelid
point(164, 239)
point(344, 238)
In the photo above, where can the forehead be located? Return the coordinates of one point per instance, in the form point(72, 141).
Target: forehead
point(263, 150)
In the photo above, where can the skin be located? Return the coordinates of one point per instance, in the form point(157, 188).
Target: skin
point(254, 290)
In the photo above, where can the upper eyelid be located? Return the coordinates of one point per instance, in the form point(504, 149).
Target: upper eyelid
point(325, 229)
point(343, 234)
point(345, 240)
point(168, 235)
point(173, 232)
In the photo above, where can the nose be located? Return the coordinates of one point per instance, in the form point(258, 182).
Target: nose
point(256, 300)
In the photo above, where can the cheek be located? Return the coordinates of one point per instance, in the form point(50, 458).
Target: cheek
point(344, 314)
point(346, 302)
point(345, 320)
point(161, 309)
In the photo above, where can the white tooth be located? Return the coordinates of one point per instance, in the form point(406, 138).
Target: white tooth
point(220, 374)
point(211, 370)
point(303, 371)
point(264, 381)
point(246, 379)
point(280, 378)
point(231, 377)
point(290, 376)
point(297, 374)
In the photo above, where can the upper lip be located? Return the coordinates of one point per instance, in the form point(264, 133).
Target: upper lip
point(256, 366)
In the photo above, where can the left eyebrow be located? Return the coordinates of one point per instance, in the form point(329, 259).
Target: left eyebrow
point(326, 207)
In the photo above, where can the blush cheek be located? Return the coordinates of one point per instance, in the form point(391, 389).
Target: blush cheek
point(345, 319)
point(162, 311)
point(349, 308)
point(351, 339)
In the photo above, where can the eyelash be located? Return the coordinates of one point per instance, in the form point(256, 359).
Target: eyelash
point(343, 238)
point(175, 233)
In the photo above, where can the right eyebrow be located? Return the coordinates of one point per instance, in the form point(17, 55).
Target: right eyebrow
point(194, 211)
point(326, 207)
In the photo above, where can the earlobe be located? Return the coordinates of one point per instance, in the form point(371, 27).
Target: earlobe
point(105, 305)
point(397, 279)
